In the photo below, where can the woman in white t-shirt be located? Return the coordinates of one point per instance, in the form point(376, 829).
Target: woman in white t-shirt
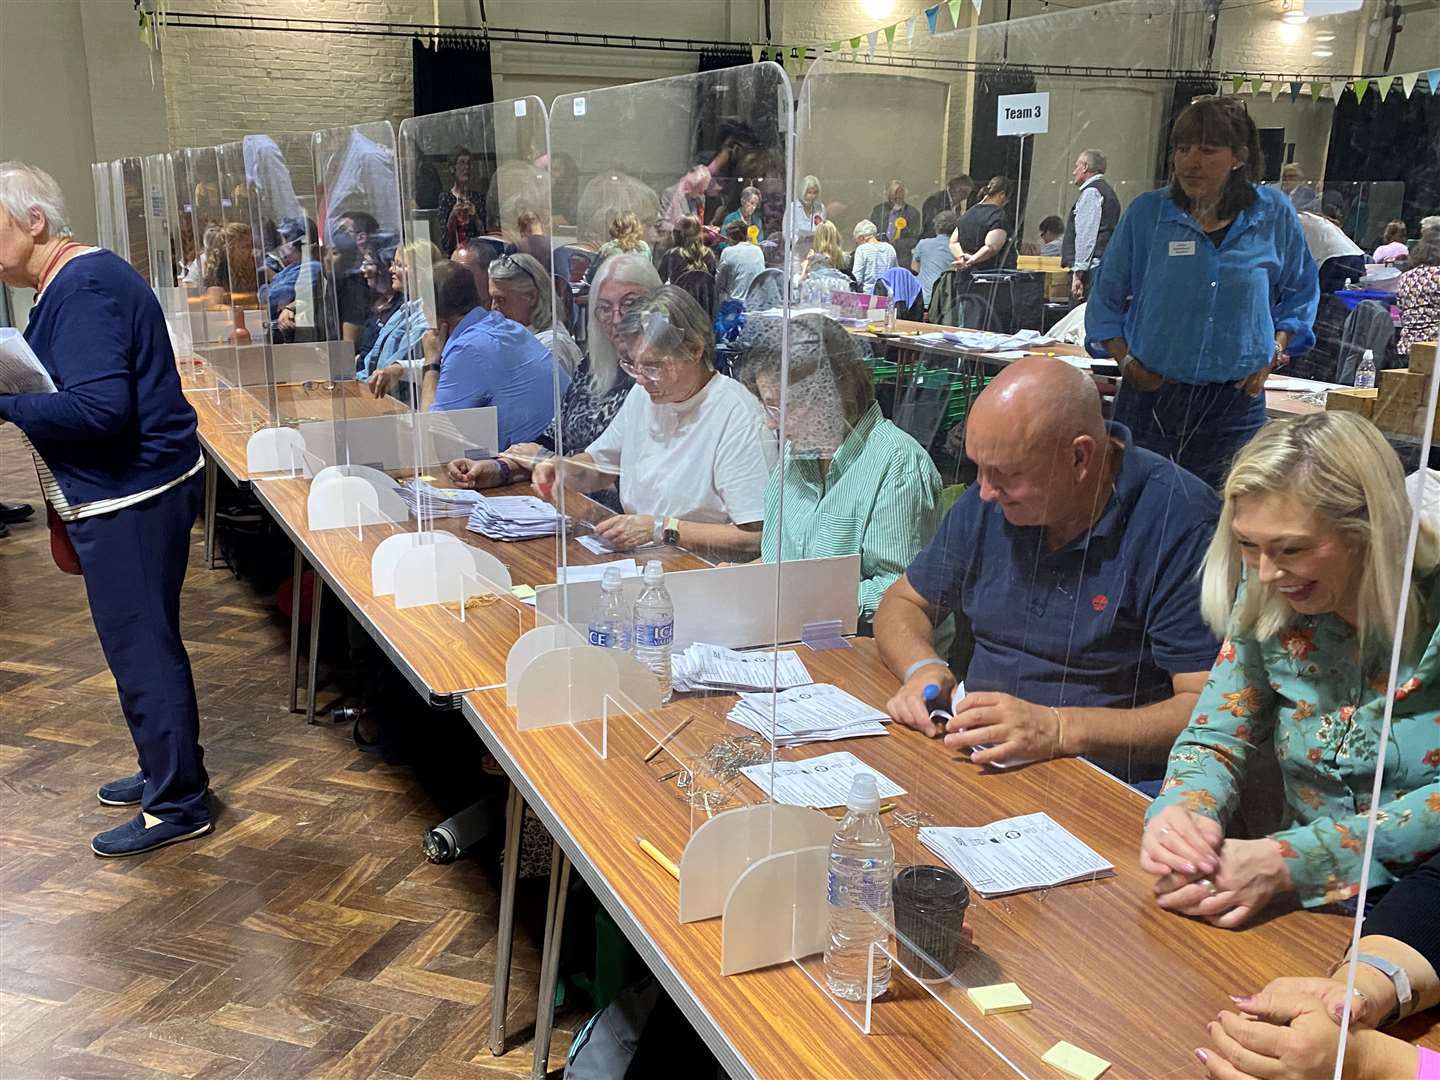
point(689, 449)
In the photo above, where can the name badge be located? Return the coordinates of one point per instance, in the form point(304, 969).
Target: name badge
point(1182, 247)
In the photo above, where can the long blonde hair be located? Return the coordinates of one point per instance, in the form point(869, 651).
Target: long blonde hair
point(827, 243)
point(626, 231)
point(1340, 466)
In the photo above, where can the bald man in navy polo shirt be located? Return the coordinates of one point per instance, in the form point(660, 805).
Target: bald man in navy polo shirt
point(1071, 569)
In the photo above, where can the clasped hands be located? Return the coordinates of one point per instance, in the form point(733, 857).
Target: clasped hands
point(1014, 732)
point(1198, 872)
point(1288, 1031)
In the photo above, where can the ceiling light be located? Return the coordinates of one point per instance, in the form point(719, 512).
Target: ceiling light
point(877, 9)
point(1325, 35)
point(1323, 54)
point(1295, 18)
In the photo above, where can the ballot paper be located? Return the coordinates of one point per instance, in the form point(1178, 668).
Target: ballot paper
point(512, 517)
point(944, 716)
point(1015, 855)
point(595, 545)
point(569, 575)
point(806, 714)
point(20, 369)
point(820, 782)
point(714, 667)
point(987, 342)
point(426, 500)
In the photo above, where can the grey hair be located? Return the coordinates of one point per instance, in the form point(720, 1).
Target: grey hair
point(807, 183)
point(748, 192)
point(1430, 227)
point(671, 321)
point(865, 227)
point(1095, 160)
point(526, 271)
point(25, 188)
point(630, 269)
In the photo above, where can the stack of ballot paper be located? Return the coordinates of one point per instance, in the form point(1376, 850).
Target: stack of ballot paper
point(820, 782)
point(1016, 855)
point(426, 500)
point(512, 517)
point(714, 667)
point(806, 714)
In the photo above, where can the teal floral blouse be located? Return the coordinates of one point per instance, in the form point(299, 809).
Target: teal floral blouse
point(1307, 689)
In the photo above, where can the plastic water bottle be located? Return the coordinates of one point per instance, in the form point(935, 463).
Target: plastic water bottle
point(655, 626)
point(1365, 371)
point(862, 877)
point(610, 628)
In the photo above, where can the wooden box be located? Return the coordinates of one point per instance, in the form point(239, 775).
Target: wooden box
point(1422, 357)
point(1352, 400)
point(1400, 406)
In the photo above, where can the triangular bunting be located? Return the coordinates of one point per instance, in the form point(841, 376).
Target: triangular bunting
point(1275, 88)
point(870, 41)
point(1337, 88)
point(1433, 79)
point(932, 14)
point(1295, 90)
point(977, 4)
point(1255, 85)
point(890, 35)
point(855, 44)
point(1361, 85)
point(754, 54)
point(835, 47)
point(1383, 84)
point(1237, 81)
point(1407, 82)
point(1316, 89)
point(910, 33)
point(955, 13)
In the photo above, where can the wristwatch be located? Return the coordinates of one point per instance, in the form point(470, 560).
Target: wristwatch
point(670, 532)
point(1400, 979)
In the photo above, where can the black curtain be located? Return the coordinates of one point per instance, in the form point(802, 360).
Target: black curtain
point(715, 59)
point(999, 155)
point(1185, 91)
point(451, 73)
point(1397, 139)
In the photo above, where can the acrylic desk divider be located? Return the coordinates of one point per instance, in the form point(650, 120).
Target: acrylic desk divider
point(387, 555)
point(479, 596)
point(351, 497)
point(431, 573)
point(275, 450)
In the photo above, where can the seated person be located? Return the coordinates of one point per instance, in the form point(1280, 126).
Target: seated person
point(1392, 247)
point(853, 482)
point(872, 256)
point(746, 216)
point(522, 292)
point(687, 251)
point(932, 255)
point(1303, 576)
point(1292, 1027)
point(596, 391)
point(689, 447)
point(485, 359)
point(296, 289)
point(1052, 235)
point(383, 301)
point(1418, 296)
point(1339, 258)
point(397, 347)
point(740, 263)
point(1070, 566)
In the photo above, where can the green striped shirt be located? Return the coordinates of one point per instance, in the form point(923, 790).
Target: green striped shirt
point(880, 498)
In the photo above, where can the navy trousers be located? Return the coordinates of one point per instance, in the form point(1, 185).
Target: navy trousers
point(134, 562)
point(1199, 427)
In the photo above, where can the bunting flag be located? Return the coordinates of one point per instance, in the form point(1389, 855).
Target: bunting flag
point(1433, 78)
point(890, 35)
point(932, 15)
point(1383, 84)
point(756, 53)
point(1255, 85)
point(1316, 89)
point(977, 4)
point(1237, 81)
point(955, 13)
point(1275, 88)
point(835, 47)
point(910, 32)
point(1361, 85)
point(1337, 88)
point(854, 44)
point(1407, 82)
point(870, 40)
point(1295, 90)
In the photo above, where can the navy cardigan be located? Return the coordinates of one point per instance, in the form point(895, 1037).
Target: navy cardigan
point(119, 423)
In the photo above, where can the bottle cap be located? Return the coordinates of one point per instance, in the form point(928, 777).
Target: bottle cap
point(864, 794)
point(611, 580)
point(654, 572)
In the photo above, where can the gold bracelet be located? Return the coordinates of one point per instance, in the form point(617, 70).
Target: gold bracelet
point(1059, 732)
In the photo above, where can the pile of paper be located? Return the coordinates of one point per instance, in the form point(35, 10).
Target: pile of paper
point(816, 713)
point(512, 517)
point(714, 667)
point(1016, 855)
point(984, 341)
point(820, 782)
point(426, 500)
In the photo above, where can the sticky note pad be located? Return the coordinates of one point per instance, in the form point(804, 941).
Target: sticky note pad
point(1073, 1061)
point(523, 592)
point(1000, 998)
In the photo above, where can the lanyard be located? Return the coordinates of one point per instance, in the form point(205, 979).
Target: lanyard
point(59, 253)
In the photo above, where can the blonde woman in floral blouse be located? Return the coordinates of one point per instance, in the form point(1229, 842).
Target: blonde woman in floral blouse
point(1304, 576)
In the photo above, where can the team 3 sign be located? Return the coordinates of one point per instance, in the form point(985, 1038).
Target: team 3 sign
point(1023, 114)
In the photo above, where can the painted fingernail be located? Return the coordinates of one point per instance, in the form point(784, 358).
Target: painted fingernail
point(1241, 999)
point(1190, 868)
point(1202, 1055)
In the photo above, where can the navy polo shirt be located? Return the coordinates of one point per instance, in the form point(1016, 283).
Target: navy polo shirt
point(1101, 623)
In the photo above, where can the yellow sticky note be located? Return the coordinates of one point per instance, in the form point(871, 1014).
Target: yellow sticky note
point(1000, 998)
point(1073, 1061)
point(523, 592)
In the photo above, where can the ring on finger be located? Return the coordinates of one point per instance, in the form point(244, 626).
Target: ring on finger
point(1209, 885)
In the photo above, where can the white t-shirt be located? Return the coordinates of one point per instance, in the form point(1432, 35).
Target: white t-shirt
point(1325, 239)
point(707, 459)
point(562, 347)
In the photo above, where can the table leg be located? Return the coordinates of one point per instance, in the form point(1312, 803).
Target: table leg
point(212, 484)
point(550, 962)
point(296, 574)
point(505, 937)
point(319, 595)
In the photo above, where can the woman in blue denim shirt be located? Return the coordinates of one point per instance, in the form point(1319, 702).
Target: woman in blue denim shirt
point(1205, 287)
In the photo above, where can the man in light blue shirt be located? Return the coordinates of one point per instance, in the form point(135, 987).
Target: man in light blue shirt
point(932, 255)
point(489, 360)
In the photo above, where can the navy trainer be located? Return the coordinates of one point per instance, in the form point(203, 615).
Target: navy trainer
point(123, 792)
point(144, 833)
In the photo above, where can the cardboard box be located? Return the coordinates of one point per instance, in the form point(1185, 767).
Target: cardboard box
point(1422, 357)
point(1400, 406)
point(1352, 400)
point(1049, 263)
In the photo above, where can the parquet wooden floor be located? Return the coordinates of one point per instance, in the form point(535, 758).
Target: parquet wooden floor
point(306, 937)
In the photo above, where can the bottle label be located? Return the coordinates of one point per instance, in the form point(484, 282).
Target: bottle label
point(655, 635)
point(602, 638)
point(870, 893)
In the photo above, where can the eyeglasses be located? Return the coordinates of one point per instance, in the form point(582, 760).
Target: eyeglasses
point(645, 372)
point(512, 263)
point(606, 311)
point(772, 411)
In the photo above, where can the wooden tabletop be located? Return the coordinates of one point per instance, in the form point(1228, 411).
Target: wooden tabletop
point(441, 656)
point(1105, 968)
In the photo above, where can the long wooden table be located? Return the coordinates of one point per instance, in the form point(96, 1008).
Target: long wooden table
point(1105, 967)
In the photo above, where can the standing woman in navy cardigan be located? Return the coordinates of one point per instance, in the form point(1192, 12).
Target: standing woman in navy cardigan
point(119, 461)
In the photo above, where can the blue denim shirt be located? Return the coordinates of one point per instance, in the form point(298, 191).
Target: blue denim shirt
point(397, 339)
point(1197, 313)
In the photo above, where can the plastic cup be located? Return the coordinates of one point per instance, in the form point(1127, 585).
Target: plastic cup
point(930, 903)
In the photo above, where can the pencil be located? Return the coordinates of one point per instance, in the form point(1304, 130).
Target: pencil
point(669, 735)
point(659, 856)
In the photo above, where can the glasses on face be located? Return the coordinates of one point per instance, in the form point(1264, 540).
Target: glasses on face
point(772, 411)
point(651, 371)
point(605, 311)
